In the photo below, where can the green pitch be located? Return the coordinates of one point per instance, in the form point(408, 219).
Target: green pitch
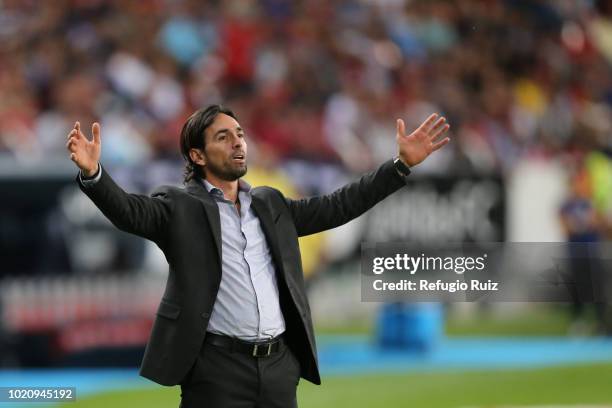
point(585, 384)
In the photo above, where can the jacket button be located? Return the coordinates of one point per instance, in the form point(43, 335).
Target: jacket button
point(205, 315)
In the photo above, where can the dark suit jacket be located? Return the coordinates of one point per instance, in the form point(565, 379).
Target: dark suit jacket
point(185, 224)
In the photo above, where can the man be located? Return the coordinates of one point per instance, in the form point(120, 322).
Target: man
point(233, 327)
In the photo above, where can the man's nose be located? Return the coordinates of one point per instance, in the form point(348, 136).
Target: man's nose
point(238, 141)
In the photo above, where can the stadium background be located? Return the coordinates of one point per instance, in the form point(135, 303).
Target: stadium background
point(317, 85)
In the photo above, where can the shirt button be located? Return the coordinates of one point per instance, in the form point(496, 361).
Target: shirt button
point(205, 315)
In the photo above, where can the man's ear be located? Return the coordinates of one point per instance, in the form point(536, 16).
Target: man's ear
point(197, 156)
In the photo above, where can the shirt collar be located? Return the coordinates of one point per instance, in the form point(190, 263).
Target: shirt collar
point(243, 186)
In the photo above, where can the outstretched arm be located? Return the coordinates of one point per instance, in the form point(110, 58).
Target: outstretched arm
point(134, 213)
point(315, 214)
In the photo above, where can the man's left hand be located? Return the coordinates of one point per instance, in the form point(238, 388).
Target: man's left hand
point(415, 147)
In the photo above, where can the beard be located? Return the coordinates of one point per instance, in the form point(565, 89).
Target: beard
point(226, 171)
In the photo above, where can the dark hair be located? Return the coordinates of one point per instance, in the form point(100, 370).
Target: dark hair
point(192, 136)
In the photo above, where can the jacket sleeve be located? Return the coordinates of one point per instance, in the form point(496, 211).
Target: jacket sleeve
point(316, 214)
point(137, 214)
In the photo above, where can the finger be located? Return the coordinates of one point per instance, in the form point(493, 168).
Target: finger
point(77, 130)
point(439, 132)
point(95, 130)
point(401, 128)
point(428, 122)
point(72, 142)
point(438, 125)
point(73, 133)
point(440, 144)
point(73, 157)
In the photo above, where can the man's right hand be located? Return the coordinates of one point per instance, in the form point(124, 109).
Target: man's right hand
point(85, 153)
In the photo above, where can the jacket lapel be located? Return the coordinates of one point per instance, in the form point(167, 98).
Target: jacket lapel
point(196, 189)
point(267, 224)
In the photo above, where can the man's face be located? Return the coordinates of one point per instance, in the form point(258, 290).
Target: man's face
point(225, 150)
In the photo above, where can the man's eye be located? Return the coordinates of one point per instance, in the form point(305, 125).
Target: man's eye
point(222, 137)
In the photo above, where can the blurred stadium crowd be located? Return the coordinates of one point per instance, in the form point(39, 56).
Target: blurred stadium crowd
point(313, 81)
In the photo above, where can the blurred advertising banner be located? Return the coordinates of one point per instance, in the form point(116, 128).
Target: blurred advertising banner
point(48, 227)
point(440, 209)
point(75, 321)
point(30, 224)
point(73, 289)
point(492, 272)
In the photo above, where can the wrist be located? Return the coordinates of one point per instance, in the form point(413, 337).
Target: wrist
point(403, 160)
point(90, 173)
point(401, 167)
